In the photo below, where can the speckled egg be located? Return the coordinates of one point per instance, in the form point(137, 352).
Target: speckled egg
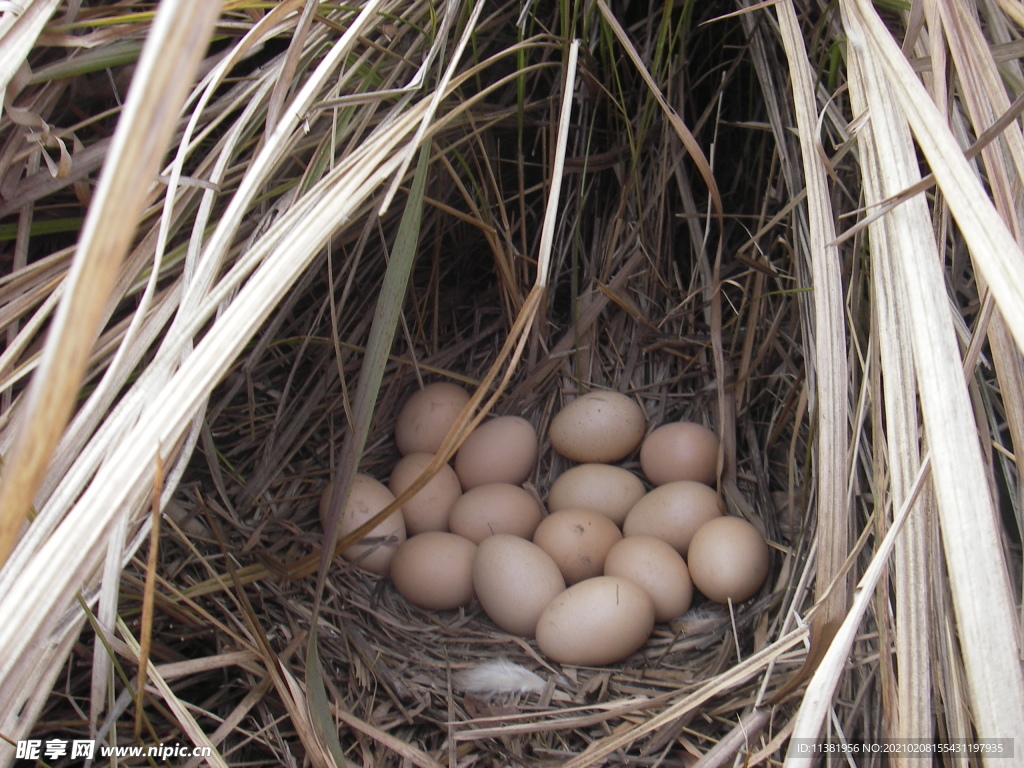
point(658, 568)
point(514, 581)
point(604, 488)
point(680, 450)
point(599, 427)
point(578, 541)
point(502, 450)
point(427, 415)
point(367, 497)
point(428, 509)
point(673, 512)
point(596, 622)
point(494, 508)
point(435, 570)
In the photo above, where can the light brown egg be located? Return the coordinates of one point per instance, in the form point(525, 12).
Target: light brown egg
point(494, 508)
point(655, 566)
point(599, 427)
point(680, 450)
point(598, 621)
point(502, 450)
point(428, 509)
point(514, 581)
point(604, 488)
point(366, 498)
point(728, 560)
point(427, 416)
point(578, 541)
point(673, 512)
point(435, 570)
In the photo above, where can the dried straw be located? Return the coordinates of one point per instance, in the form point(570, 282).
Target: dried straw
point(720, 211)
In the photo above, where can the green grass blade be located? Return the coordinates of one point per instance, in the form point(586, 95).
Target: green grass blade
point(378, 348)
point(316, 700)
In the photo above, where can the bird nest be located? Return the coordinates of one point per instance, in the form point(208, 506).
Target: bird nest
point(616, 316)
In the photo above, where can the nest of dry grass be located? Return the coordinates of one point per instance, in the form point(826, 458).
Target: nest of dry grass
point(652, 210)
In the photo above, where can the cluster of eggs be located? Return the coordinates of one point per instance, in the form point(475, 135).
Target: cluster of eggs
point(590, 578)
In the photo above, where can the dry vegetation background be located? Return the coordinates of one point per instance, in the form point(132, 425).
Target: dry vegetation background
point(235, 236)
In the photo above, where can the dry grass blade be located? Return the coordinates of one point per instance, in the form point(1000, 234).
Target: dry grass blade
point(996, 253)
point(439, 91)
point(270, 154)
point(821, 690)
point(19, 28)
point(149, 119)
point(986, 101)
point(410, 754)
point(189, 725)
point(740, 738)
point(746, 669)
point(830, 374)
point(914, 644)
point(146, 640)
point(547, 232)
point(967, 516)
point(290, 64)
point(685, 136)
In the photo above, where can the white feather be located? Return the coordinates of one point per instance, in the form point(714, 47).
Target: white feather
point(498, 678)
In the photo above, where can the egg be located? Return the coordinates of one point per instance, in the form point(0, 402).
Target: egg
point(428, 509)
point(598, 621)
point(366, 498)
point(502, 450)
point(494, 508)
point(656, 567)
point(673, 512)
point(599, 427)
point(728, 560)
point(427, 415)
point(578, 541)
point(680, 450)
point(514, 580)
point(435, 570)
point(604, 488)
